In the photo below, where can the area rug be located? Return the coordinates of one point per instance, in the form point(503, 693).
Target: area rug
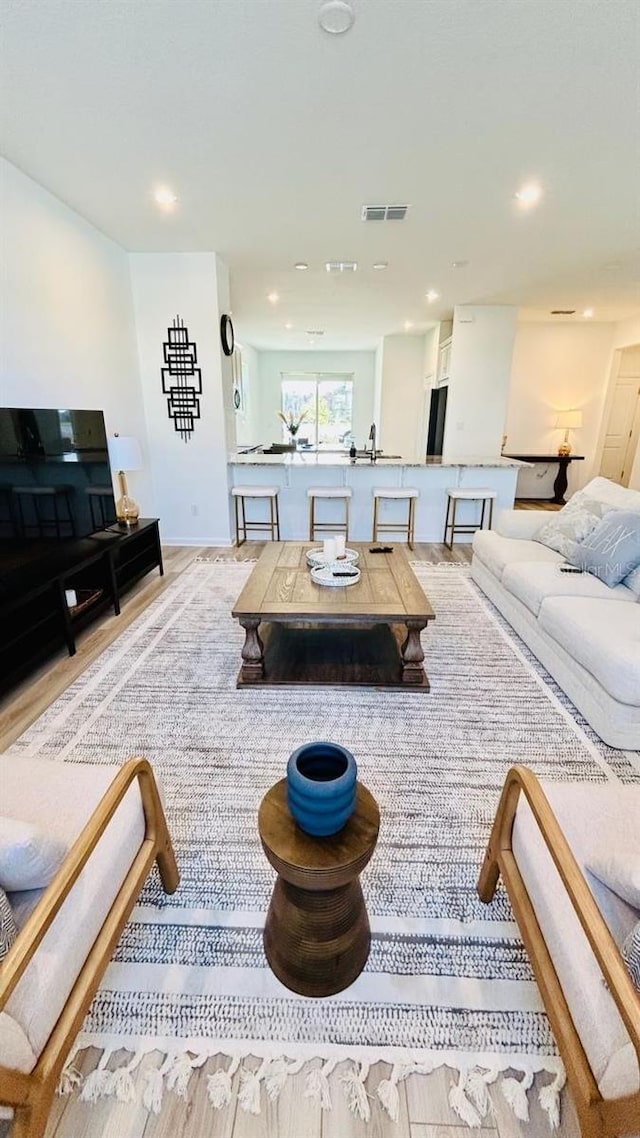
point(447, 981)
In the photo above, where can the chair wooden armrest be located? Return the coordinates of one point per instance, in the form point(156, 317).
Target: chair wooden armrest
point(599, 1118)
point(31, 1094)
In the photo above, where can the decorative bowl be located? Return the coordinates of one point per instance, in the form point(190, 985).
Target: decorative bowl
point(316, 559)
point(321, 787)
point(324, 574)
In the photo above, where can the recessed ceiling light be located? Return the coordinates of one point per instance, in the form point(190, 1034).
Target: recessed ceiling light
point(165, 197)
point(379, 265)
point(588, 313)
point(336, 17)
point(432, 295)
point(529, 195)
point(407, 325)
point(459, 264)
point(288, 327)
point(273, 297)
point(301, 265)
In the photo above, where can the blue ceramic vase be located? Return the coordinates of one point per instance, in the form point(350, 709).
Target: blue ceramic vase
point(321, 787)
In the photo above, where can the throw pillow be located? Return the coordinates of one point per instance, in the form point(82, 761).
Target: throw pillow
point(8, 930)
point(631, 954)
point(29, 858)
point(572, 523)
point(633, 581)
point(620, 872)
point(612, 549)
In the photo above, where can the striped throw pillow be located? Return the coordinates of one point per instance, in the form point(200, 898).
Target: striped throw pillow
point(8, 930)
point(631, 954)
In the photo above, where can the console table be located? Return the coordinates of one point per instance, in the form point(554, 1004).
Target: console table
point(35, 620)
point(563, 460)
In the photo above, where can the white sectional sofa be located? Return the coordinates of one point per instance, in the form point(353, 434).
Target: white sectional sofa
point(586, 634)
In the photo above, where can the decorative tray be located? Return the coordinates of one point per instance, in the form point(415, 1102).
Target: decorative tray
point(324, 574)
point(315, 558)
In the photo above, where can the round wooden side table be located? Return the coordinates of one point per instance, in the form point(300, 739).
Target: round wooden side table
point(317, 935)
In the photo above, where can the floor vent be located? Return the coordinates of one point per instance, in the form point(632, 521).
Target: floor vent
point(384, 212)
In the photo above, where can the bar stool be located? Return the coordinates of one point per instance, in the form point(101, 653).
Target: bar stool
point(403, 493)
point(39, 495)
point(466, 494)
point(101, 506)
point(344, 492)
point(239, 494)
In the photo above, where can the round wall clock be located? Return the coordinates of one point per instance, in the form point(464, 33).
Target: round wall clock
point(226, 334)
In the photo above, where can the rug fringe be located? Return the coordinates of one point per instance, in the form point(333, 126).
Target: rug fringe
point(469, 1097)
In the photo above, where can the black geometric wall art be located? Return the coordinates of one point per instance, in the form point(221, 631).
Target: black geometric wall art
point(181, 379)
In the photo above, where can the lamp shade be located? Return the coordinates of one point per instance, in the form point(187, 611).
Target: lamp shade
point(124, 452)
point(569, 420)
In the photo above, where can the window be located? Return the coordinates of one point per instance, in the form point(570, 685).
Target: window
point(327, 404)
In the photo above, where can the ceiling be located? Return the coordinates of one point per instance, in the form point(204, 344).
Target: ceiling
point(273, 134)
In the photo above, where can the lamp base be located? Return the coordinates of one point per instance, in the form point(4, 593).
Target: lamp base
point(127, 510)
point(564, 450)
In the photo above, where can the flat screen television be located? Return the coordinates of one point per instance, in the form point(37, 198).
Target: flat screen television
point(55, 478)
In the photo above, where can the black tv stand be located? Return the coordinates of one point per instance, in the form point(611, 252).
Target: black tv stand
point(35, 619)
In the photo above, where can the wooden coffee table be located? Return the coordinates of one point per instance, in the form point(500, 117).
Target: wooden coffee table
point(364, 634)
point(317, 936)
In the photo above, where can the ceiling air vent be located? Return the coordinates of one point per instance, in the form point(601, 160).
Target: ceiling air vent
point(315, 331)
point(341, 266)
point(563, 311)
point(384, 212)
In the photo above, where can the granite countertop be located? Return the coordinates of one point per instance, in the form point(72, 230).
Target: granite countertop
point(311, 459)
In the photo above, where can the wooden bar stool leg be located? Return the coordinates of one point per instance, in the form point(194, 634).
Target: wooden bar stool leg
point(244, 519)
point(375, 519)
point(272, 520)
point(452, 524)
point(312, 520)
point(277, 519)
point(484, 502)
point(446, 521)
point(237, 517)
point(412, 514)
point(490, 513)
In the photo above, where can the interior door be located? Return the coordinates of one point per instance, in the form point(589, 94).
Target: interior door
point(621, 437)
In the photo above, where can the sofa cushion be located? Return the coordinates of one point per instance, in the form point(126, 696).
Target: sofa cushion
point(532, 582)
point(496, 552)
point(612, 549)
point(62, 797)
point(8, 928)
point(15, 1050)
point(603, 637)
point(618, 867)
point(611, 494)
point(29, 857)
point(573, 523)
point(582, 811)
point(632, 582)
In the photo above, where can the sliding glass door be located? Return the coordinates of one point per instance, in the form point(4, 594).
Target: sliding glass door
point(327, 404)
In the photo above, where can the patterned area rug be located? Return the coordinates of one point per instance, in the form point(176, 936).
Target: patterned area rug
point(447, 981)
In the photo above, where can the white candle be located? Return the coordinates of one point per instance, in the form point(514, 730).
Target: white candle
point(341, 542)
point(329, 549)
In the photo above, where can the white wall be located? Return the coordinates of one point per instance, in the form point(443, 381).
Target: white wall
point(556, 367)
point(67, 328)
point(271, 365)
point(190, 478)
point(480, 371)
point(403, 395)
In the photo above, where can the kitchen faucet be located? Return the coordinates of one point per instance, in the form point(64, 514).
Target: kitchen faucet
point(372, 440)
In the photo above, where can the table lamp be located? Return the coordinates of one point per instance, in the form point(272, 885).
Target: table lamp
point(567, 421)
point(124, 455)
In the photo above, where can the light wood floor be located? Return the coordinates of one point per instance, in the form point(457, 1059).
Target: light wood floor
point(424, 1104)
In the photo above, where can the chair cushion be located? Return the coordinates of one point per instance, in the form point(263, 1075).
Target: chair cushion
point(612, 549)
point(532, 582)
point(29, 857)
point(62, 797)
point(15, 1050)
point(603, 637)
point(618, 866)
point(329, 492)
point(582, 811)
point(497, 552)
point(255, 491)
point(471, 493)
point(396, 492)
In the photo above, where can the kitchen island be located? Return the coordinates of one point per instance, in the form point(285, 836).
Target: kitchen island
point(295, 473)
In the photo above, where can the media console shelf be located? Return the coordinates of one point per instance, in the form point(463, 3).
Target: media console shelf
point(35, 620)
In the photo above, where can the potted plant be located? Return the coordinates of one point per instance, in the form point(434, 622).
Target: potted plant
point(292, 424)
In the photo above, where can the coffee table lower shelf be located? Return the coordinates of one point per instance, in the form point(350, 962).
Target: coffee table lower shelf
point(333, 657)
